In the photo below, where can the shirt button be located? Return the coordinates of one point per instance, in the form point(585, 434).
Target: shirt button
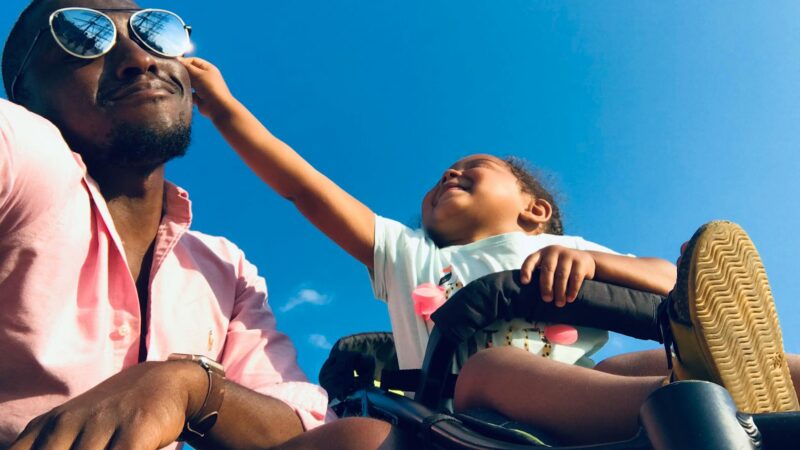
point(124, 330)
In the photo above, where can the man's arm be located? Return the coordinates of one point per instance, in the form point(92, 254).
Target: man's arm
point(248, 419)
point(343, 218)
point(278, 402)
point(146, 406)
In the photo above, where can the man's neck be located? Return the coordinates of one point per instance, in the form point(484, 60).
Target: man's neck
point(135, 202)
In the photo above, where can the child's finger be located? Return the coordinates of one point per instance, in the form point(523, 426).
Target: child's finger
point(195, 62)
point(547, 269)
point(528, 267)
point(196, 67)
point(576, 277)
point(193, 70)
point(187, 62)
point(560, 281)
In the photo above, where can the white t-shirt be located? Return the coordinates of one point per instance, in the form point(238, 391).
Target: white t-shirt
point(406, 258)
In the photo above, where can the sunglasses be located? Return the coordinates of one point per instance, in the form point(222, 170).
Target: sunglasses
point(89, 33)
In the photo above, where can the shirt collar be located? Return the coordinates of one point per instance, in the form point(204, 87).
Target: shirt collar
point(177, 206)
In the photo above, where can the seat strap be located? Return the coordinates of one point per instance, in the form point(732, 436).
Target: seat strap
point(401, 380)
point(408, 380)
point(428, 423)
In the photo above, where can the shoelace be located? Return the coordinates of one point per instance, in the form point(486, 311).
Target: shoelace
point(666, 330)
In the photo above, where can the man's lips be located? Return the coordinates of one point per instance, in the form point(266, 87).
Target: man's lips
point(144, 89)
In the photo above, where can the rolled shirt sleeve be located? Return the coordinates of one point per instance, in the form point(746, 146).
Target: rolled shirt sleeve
point(258, 356)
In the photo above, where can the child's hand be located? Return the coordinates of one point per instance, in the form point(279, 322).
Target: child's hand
point(561, 272)
point(211, 94)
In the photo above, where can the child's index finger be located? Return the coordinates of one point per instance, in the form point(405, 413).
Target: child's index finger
point(194, 64)
point(187, 63)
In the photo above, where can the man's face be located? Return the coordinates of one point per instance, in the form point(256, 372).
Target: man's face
point(100, 104)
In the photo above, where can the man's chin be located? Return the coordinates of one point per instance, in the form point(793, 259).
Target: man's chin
point(157, 114)
point(143, 146)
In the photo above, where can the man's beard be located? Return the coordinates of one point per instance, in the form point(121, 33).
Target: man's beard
point(141, 147)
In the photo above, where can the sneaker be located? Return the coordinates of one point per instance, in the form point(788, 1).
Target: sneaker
point(723, 323)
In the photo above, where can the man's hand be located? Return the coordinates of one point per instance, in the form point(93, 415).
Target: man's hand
point(561, 272)
point(143, 407)
point(211, 93)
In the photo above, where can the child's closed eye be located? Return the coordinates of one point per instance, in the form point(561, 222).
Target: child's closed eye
point(482, 162)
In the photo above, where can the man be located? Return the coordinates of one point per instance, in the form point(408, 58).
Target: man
point(99, 271)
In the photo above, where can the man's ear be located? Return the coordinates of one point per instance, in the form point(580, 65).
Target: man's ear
point(536, 215)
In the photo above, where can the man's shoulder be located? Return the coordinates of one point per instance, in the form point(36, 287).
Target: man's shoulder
point(23, 129)
point(212, 242)
point(11, 108)
point(218, 247)
point(216, 254)
point(13, 116)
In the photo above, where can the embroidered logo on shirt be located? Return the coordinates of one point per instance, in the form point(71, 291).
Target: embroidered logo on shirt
point(428, 297)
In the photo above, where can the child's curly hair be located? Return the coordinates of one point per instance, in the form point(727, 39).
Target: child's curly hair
point(531, 185)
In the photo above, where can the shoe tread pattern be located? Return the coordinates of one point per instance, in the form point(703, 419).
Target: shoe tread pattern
point(733, 309)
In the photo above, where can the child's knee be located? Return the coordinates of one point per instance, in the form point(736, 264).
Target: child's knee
point(483, 363)
point(615, 365)
point(641, 363)
point(480, 369)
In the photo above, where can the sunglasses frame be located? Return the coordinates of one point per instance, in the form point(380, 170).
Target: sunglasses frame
point(101, 12)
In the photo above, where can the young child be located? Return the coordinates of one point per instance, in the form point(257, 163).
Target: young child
point(483, 215)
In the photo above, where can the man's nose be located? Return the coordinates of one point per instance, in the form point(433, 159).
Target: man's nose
point(130, 58)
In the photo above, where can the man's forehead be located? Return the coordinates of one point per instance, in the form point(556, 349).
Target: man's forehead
point(52, 5)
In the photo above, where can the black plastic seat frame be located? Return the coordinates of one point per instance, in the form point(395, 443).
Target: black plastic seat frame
point(682, 415)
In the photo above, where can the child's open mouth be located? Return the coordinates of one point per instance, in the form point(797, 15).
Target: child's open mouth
point(448, 188)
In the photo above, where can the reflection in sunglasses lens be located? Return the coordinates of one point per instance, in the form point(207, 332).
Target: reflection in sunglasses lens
point(163, 32)
point(83, 33)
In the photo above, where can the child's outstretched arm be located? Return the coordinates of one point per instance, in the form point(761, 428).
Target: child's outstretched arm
point(562, 271)
point(344, 219)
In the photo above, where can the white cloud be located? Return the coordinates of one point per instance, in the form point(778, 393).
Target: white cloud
point(306, 296)
point(320, 341)
point(616, 343)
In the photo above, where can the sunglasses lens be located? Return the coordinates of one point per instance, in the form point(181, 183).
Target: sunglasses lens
point(162, 31)
point(82, 32)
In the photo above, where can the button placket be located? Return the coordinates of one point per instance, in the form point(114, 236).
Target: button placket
point(124, 330)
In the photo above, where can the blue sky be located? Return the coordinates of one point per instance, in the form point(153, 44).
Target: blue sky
point(649, 117)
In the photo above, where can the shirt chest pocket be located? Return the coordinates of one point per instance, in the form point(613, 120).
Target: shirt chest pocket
point(194, 322)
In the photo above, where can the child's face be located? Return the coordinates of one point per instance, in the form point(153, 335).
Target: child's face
point(475, 198)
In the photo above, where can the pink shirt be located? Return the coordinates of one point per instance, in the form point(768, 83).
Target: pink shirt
point(69, 315)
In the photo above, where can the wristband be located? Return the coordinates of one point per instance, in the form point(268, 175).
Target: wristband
point(205, 418)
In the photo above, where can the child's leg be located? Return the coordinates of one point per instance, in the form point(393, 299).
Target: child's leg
point(651, 363)
point(636, 364)
point(725, 329)
point(575, 404)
